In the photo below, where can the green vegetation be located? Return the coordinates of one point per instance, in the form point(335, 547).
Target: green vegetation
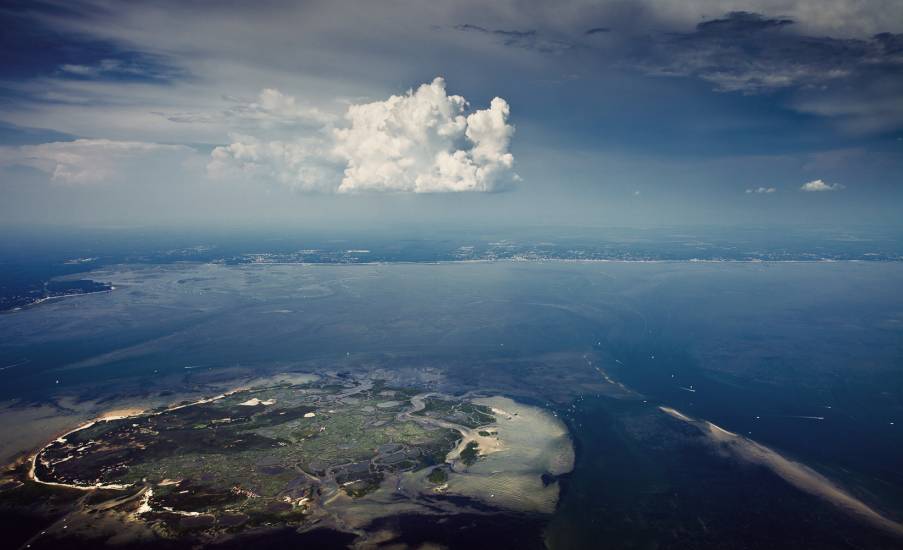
point(263, 456)
point(362, 487)
point(460, 412)
point(438, 475)
point(434, 405)
point(470, 453)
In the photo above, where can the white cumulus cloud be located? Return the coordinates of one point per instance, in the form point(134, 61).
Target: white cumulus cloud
point(820, 185)
point(424, 141)
point(88, 161)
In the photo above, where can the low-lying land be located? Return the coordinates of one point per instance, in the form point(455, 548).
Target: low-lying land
point(337, 452)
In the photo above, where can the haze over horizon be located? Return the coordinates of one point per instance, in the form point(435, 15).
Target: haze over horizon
point(458, 114)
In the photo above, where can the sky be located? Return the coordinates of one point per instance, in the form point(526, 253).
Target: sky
point(366, 114)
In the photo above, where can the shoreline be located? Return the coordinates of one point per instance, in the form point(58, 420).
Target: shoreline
point(44, 299)
point(107, 417)
point(120, 414)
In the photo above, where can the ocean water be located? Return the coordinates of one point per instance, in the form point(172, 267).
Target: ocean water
point(806, 358)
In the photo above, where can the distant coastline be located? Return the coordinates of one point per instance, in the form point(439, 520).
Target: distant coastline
point(26, 302)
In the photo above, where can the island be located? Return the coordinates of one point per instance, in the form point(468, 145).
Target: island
point(330, 451)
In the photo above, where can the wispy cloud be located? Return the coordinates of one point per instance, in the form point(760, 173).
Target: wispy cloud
point(761, 191)
point(129, 66)
point(528, 40)
point(271, 108)
point(89, 161)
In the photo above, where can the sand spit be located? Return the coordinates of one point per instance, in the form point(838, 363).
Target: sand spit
point(524, 443)
point(528, 442)
point(118, 414)
point(799, 475)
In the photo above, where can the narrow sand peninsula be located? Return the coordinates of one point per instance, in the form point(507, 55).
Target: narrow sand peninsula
point(799, 475)
point(116, 414)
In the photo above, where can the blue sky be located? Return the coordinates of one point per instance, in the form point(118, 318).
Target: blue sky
point(607, 113)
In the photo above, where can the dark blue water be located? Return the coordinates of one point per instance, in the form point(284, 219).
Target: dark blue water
point(760, 345)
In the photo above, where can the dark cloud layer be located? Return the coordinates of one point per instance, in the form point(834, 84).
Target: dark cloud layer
point(857, 81)
point(752, 53)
